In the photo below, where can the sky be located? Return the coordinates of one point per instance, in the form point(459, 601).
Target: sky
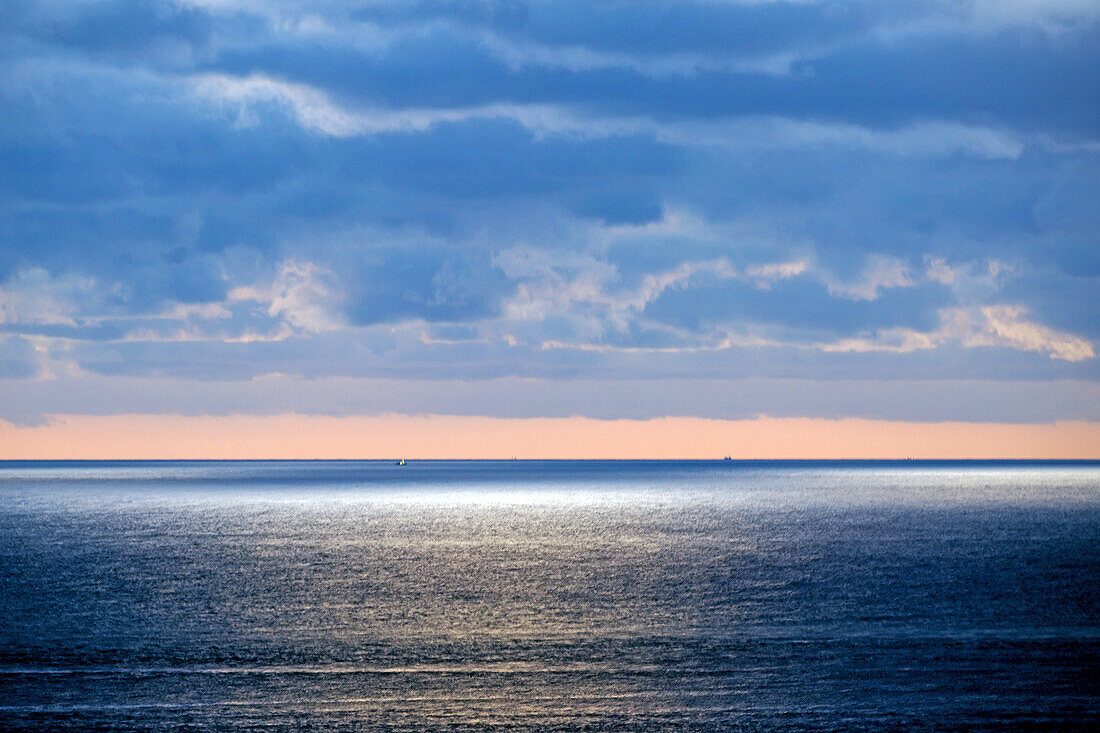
point(805, 222)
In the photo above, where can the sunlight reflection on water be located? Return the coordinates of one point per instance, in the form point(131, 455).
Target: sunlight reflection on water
point(548, 596)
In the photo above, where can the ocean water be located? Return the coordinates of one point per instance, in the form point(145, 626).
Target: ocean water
point(549, 596)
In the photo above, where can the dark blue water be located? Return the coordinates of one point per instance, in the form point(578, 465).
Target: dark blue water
point(549, 596)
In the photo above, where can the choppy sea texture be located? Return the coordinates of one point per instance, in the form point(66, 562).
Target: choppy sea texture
point(549, 596)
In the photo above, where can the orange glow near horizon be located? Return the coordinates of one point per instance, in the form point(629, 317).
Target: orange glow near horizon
point(446, 436)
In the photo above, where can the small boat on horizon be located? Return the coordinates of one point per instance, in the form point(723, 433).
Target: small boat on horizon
point(400, 463)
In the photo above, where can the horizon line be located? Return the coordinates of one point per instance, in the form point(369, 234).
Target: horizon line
point(517, 459)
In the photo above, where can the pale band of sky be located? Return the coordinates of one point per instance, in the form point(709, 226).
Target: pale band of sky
point(293, 436)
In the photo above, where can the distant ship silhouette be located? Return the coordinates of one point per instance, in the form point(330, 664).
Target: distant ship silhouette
point(400, 463)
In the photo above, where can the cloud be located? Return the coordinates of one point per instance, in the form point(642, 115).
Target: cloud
point(939, 271)
point(34, 297)
point(315, 111)
point(592, 294)
point(544, 190)
point(1052, 16)
point(723, 398)
point(19, 360)
point(310, 107)
point(997, 326)
point(1007, 325)
point(878, 273)
point(302, 295)
point(858, 76)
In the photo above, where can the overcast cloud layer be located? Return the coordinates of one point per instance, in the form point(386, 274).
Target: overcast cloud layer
point(436, 192)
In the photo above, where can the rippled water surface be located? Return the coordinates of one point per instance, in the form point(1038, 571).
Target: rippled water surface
point(549, 596)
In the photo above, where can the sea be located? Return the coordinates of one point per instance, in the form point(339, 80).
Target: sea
point(549, 596)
